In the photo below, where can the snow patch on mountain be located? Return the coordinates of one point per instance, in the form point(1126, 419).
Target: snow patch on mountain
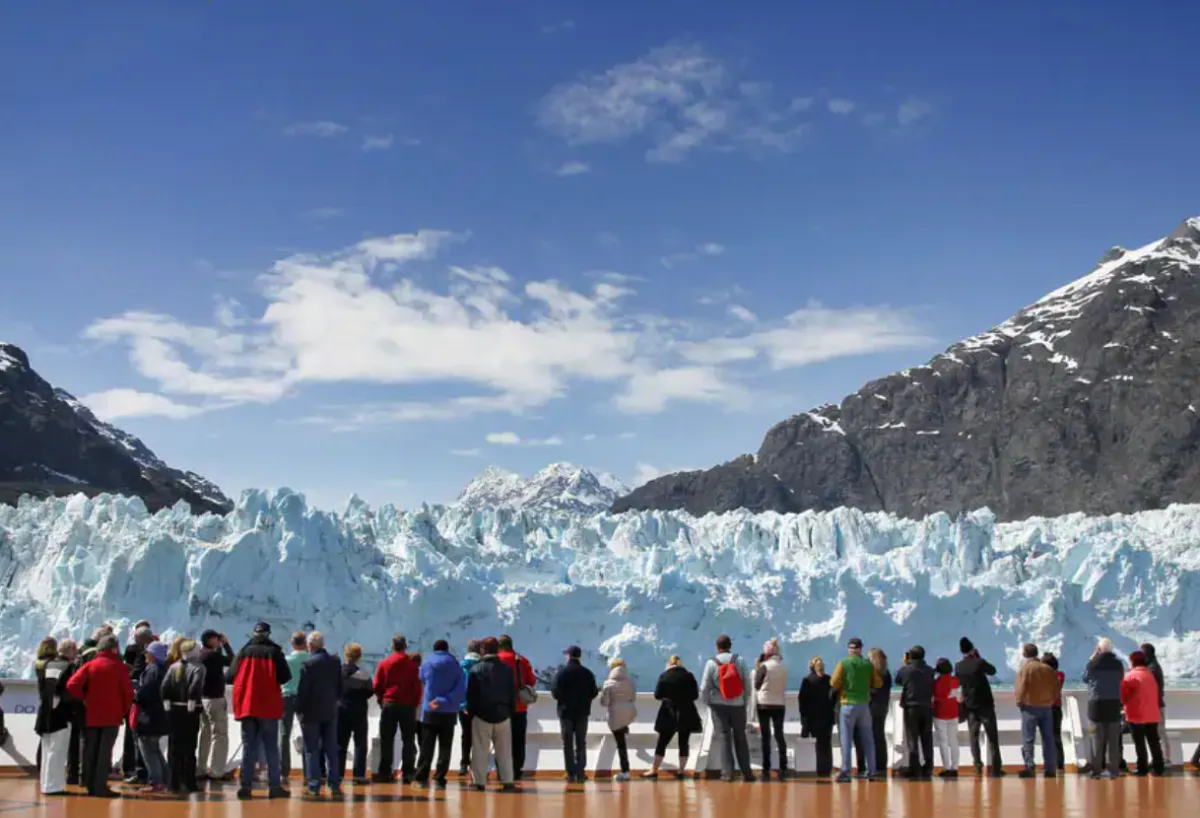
point(561, 487)
point(642, 585)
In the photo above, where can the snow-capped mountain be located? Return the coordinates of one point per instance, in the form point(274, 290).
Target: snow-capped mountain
point(1084, 401)
point(560, 487)
point(53, 444)
point(641, 585)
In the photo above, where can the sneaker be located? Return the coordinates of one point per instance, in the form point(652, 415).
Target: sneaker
point(749, 779)
point(621, 777)
point(107, 794)
point(243, 794)
point(382, 779)
point(464, 770)
point(131, 779)
point(728, 779)
point(440, 783)
point(997, 774)
point(479, 788)
point(780, 775)
point(1050, 775)
point(508, 788)
point(650, 775)
point(315, 792)
point(361, 782)
point(276, 792)
point(979, 769)
point(1027, 773)
point(336, 792)
point(842, 778)
point(420, 785)
point(949, 775)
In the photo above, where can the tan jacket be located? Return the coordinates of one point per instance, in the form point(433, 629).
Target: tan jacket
point(1037, 684)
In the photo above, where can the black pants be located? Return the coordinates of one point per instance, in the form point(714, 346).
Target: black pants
point(824, 749)
point(437, 730)
point(181, 748)
point(664, 739)
point(403, 718)
point(464, 721)
point(770, 720)
point(132, 763)
point(985, 720)
point(75, 748)
point(520, 724)
point(1144, 734)
point(98, 747)
point(352, 725)
point(574, 742)
point(878, 720)
point(918, 735)
point(1058, 745)
point(620, 737)
point(285, 739)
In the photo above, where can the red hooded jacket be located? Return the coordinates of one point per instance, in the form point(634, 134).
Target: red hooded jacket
point(258, 671)
point(398, 680)
point(1139, 694)
point(103, 685)
point(523, 674)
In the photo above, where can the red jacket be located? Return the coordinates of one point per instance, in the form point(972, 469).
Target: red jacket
point(1139, 694)
point(1062, 680)
point(398, 680)
point(523, 674)
point(258, 670)
point(104, 687)
point(945, 705)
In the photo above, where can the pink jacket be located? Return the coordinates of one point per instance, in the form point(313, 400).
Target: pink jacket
point(1139, 694)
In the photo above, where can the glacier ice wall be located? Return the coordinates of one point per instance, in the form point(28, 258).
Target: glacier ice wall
point(643, 585)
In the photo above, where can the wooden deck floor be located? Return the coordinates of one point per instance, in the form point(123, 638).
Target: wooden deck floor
point(1067, 796)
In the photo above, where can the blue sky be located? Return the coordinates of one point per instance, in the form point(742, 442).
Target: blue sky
point(375, 246)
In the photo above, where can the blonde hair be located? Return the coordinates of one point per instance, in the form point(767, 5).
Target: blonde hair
point(353, 652)
point(674, 661)
point(47, 649)
point(616, 662)
point(817, 665)
point(176, 652)
point(67, 649)
point(878, 659)
point(186, 647)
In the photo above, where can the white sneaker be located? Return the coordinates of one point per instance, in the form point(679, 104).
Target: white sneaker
point(621, 777)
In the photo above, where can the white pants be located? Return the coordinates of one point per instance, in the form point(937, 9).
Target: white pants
point(485, 738)
point(54, 761)
point(945, 735)
point(213, 757)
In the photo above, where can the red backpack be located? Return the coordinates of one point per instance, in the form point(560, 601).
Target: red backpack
point(729, 680)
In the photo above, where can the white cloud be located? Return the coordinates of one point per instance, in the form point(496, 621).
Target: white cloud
point(803, 103)
point(130, 403)
point(466, 452)
point(742, 314)
point(378, 143)
point(643, 473)
point(589, 437)
point(841, 106)
point(707, 249)
point(711, 249)
point(913, 110)
point(513, 439)
point(322, 129)
point(495, 344)
point(573, 169)
point(679, 97)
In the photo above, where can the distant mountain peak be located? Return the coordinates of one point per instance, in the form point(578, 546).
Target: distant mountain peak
point(557, 487)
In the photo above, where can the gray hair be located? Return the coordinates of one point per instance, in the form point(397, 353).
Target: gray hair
point(107, 642)
point(316, 641)
point(143, 636)
point(67, 649)
point(99, 634)
point(1105, 645)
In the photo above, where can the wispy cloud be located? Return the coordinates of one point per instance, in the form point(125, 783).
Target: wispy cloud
point(378, 143)
point(644, 472)
point(322, 129)
point(562, 25)
point(842, 107)
point(573, 169)
point(913, 110)
point(678, 97)
point(802, 103)
point(742, 314)
point(324, 213)
point(588, 438)
point(513, 439)
point(466, 452)
point(130, 403)
point(707, 249)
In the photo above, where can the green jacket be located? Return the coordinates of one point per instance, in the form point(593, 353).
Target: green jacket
point(295, 661)
point(853, 679)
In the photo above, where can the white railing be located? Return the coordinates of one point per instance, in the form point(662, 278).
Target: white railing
point(544, 751)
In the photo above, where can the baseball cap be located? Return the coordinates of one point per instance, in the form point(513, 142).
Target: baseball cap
point(262, 627)
point(855, 643)
point(574, 651)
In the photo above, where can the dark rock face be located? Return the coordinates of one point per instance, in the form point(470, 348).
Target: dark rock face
point(51, 444)
point(1085, 401)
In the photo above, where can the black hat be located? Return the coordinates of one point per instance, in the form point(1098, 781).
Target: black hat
point(855, 643)
point(965, 645)
point(573, 652)
point(263, 628)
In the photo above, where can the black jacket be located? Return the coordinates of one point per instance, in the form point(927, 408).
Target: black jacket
point(678, 691)
point(54, 705)
point(881, 697)
point(574, 688)
point(215, 662)
point(135, 660)
point(356, 693)
point(1156, 669)
point(491, 691)
point(320, 688)
point(916, 681)
point(973, 672)
point(818, 704)
point(148, 696)
point(1103, 675)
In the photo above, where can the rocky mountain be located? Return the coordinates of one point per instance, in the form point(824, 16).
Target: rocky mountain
point(558, 487)
point(51, 444)
point(1086, 400)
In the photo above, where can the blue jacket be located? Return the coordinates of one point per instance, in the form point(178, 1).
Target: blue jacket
point(469, 661)
point(320, 688)
point(443, 678)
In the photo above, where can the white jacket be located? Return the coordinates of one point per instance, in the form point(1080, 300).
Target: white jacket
point(773, 689)
point(619, 695)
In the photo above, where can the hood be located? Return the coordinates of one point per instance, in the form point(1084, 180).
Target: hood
point(724, 657)
point(158, 651)
point(472, 657)
point(619, 673)
point(1151, 656)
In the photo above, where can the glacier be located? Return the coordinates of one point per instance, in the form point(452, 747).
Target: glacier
point(641, 585)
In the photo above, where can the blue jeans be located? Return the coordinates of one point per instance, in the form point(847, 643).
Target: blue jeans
point(1036, 720)
point(854, 723)
point(321, 743)
point(156, 762)
point(260, 734)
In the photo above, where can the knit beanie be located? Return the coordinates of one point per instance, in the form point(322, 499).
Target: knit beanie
point(965, 645)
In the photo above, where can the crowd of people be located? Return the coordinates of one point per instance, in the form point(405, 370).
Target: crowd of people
point(153, 690)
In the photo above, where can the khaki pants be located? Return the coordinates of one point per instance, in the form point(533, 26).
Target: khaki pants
point(213, 757)
point(485, 739)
